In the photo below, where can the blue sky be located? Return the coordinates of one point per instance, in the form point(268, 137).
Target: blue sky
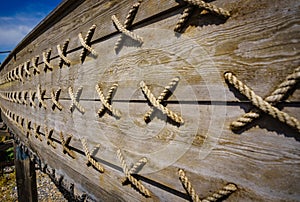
point(18, 18)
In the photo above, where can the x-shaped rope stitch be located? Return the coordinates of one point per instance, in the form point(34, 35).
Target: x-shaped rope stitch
point(62, 54)
point(18, 97)
point(48, 134)
point(26, 68)
point(125, 31)
point(35, 65)
point(31, 98)
point(40, 95)
point(90, 158)
point(156, 103)
point(46, 60)
point(127, 24)
point(224, 192)
point(106, 101)
point(27, 128)
point(165, 94)
point(15, 74)
point(262, 104)
point(24, 96)
point(280, 94)
point(20, 73)
point(54, 98)
point(36, 129)
point(202, 5)
point(86, 43)
point(135, 168)
point(75, 99)
point(65, 145)
point(132, 179)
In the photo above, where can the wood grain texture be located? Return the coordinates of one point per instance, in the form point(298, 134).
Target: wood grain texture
point(258, 43)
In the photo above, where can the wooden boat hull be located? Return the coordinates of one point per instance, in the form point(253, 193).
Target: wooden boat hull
point(63, 116)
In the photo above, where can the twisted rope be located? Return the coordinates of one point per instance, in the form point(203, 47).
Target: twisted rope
point(159, 106)
point(187, 12)
point(31, 98)
point(91, 160)
point(133, 180)
point(74, 99)
point(126, 32)
point(65, 145)
point(54, 98)
point(40, 96)
point(36, 129)
point(210, 7)
point(188, 186)
point(9, 78)
point(15, 74)
point(107, 101)
point(167, 92)
point(46, 60)
point(23, 97)
point(224, 192)
point(86, 43)
point(261, 104)
point(280, 94)
point(34, 64)
point(18, 97)
point(48, 134)
point(20, 71)
point(62, 54)
point(128, 23)
point(136, 168)
point(26, 68)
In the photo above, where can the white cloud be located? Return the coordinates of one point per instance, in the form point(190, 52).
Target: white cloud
point(12, 35)
point(14, 28)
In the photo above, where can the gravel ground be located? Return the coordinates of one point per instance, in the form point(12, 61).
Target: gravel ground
point(47, 191)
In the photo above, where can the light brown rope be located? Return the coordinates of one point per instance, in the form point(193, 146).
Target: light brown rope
point(48, 134)
point(187, 12)
point(224, 192)
point(86, 43)
point(188, 186)
point(107, 101)
point(18, 97)
point(128, 23)
point(209, 7)
point(133, 180)
point(75, 99)
point(91, 160)
point(159, 106)
point(20, 71)
point(36, 129)
point(40, 96)
point(46, 60)
point(15, 74)
point(31, 98)
point(26, 68)
point(163, 96)
point(54, 98)
point(65, 145)
point(126, 32)
point(280, 94)
point(62, 54)
point(27, 128)
point(34, 64)
point(136, 168)
point(261, 104)
point(23, 96)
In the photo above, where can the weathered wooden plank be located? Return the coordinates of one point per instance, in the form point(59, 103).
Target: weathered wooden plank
point(241, 45)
